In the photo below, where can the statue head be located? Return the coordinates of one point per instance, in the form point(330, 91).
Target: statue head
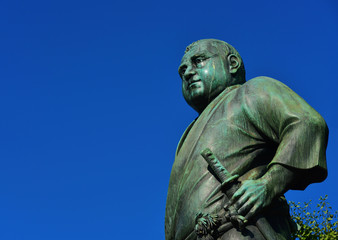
point(207, 68)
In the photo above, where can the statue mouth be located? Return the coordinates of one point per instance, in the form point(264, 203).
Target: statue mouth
point(194, 83)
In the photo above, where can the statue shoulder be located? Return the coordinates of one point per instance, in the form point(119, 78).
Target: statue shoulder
point(263, 82)
point(264, 88)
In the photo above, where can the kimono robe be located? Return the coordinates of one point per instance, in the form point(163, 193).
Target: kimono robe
point(248, 127)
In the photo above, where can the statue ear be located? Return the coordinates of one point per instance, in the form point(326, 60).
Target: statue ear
point(234, 63)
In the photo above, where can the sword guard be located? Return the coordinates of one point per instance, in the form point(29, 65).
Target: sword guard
point(230, 180)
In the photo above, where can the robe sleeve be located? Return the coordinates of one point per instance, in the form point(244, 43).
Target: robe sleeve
point(286, 121)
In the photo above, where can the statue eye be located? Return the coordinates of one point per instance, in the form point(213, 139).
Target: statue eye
point(199, 60)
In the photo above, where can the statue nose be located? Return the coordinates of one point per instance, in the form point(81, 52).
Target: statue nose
point(189, 73)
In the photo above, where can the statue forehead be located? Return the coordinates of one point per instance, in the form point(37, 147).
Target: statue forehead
point(202, 46)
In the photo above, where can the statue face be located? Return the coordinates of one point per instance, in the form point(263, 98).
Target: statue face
point(205, 74)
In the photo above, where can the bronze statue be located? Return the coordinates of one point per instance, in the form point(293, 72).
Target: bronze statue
point(252, 141)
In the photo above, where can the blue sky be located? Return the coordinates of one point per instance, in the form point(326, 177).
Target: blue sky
point(92, 108)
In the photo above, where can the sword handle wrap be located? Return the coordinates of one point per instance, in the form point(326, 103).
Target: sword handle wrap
point(217, 167)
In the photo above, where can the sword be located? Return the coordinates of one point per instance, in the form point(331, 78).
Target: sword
point(229, 185)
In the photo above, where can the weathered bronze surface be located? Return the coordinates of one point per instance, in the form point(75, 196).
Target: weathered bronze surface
point(258, 139)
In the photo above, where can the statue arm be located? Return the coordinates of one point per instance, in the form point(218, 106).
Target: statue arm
point(292, 125)
point(300, 134)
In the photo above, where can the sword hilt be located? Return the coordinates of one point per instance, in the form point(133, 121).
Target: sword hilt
point(218, 168)
point(229, 184)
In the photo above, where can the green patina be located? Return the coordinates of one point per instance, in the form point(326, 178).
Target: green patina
point(261, 132)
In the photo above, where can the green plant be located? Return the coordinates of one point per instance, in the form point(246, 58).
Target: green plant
point(315, 224)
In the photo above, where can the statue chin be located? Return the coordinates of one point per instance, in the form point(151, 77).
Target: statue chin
point(195, 96)
point(198, 99)
point(198, 102)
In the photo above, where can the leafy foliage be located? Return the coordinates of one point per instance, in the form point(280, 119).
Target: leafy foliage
point(320, 223)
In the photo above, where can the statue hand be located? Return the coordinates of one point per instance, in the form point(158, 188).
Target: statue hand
point(252, 197)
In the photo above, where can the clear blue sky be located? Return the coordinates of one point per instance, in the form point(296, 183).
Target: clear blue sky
point(91, 106)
